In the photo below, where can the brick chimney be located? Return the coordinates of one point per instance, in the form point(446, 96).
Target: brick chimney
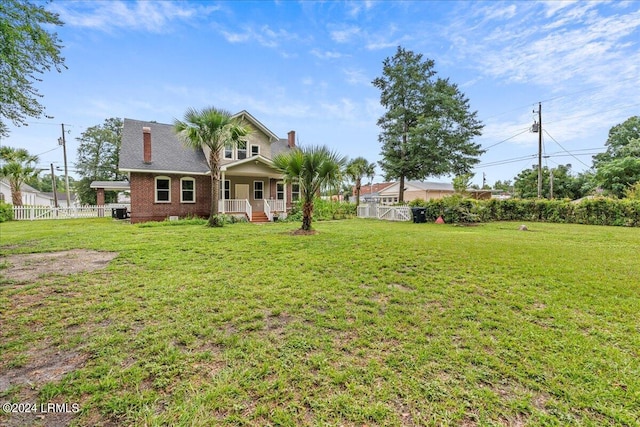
point(292, 138)
point(146, 144)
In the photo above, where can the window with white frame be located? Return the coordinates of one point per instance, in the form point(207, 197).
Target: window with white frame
point(258, 190)
point(163, 189)
point(295, 192)
point(280, 191)
point(242, 150)
point(187, 190)
point(255, 150)
point(228, 150)
point(226, 190)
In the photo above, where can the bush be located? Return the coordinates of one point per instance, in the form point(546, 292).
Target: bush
point(323, 210)
point(6, 212)
point(600, 211)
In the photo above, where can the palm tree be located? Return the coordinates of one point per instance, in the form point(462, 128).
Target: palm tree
point(312, 168)
point(210, 128)
point(18, 166)
point(356, 170)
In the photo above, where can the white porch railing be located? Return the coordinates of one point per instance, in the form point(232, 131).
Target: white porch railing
point(31, 213)
point(235, 206)
point(277, 205)
point(267, 209)
point(389, 213)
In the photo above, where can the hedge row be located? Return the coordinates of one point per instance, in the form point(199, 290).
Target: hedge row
point(597, 211)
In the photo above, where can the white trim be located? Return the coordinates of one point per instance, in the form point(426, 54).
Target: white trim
point(259, 158)
point(155, 189)
point(193, 190)
point(222, 189)
point(207, 173)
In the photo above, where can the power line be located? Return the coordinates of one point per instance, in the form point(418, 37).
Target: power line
point(505, 140)
point(560, 145)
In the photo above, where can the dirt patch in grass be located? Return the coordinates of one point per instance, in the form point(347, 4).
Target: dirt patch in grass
point(23, 384)
point(29, 267)
point(301, 232)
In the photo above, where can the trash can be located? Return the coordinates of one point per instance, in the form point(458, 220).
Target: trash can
point(119, 213)
point(419, 215)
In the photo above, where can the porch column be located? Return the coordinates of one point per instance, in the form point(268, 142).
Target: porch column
point(223, 188)
point(100, 201)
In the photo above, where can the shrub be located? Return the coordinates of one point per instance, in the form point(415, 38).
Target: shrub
point(599, 211)
point(6, 212)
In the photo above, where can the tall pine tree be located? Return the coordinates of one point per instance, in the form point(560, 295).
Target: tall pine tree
point(427, 129)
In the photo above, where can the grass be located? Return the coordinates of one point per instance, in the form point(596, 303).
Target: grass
point(365, 323)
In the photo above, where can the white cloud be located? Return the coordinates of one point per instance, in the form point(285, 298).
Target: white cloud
point(141, 15)
point(263, 35)
point(326, 54)
point(356, 77)
point(345, 35)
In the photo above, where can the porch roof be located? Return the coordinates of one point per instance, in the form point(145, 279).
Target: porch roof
point(257, 166)
point(111, 185)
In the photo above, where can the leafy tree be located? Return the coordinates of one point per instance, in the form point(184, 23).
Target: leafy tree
point(98, 155)
point(503, 185)
point(565, 185)
point(618, 175)
point(357, 169)
point(428, 126)
point(17, 166)
point(618, 168)
point(312, 168)
point(27, 51)
point(210, 128)
point(462, 182)
point(623, 141)
point(44, 183)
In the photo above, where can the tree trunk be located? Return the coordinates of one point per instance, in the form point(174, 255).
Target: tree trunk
point(401, 190)
point(358, 185)
point(16, 194)
point(214, 164)
point(307, 214)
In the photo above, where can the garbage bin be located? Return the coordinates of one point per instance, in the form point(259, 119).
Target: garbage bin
point(419, 214)
point(119, 213)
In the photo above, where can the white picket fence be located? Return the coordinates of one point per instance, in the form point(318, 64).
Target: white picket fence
point(31, 213)
point(389, 213)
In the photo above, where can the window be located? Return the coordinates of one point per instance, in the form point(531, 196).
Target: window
point(188, 190)
point(295, 192)
point(226, 191)
point(280, 191)
point(242, 150)
point(163, 189)
point(255, 150)
point(258, 187)
point(228, 151)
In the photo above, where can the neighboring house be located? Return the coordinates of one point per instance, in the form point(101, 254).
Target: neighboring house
point(30, 196)
point(168, 179)
point(424, 190)
point(62, 199)
point(370, 192)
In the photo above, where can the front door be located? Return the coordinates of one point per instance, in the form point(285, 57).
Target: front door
point(242, 191)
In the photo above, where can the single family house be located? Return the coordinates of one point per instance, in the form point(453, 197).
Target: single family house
point(424, 190)
point(168, 179)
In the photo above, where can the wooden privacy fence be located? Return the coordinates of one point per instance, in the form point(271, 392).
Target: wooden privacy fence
point(31, 213)
point(389, 213)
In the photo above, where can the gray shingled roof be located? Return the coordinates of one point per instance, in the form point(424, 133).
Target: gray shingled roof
point(168, 154)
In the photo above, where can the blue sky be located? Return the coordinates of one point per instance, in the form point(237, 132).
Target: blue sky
point(308, 66)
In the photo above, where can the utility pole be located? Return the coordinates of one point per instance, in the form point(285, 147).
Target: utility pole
point(53, 186)
point(62, 141)
point(551, 183)
point(539, 150)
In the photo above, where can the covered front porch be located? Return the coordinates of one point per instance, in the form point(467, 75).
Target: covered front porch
point(253, 187)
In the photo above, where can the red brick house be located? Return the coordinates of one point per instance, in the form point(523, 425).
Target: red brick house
point(168, 179)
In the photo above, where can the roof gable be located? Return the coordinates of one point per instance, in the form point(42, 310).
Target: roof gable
point(245, 115)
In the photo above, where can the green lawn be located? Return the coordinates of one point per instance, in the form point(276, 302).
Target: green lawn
point(365, 323)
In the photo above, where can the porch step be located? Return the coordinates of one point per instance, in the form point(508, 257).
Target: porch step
point(259, 217)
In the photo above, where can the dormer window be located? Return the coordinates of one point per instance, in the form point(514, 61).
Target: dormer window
point(242, 150)
point(228, 150)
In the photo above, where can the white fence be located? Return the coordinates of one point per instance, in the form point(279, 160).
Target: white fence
point(31, 213)
point(389, 213)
